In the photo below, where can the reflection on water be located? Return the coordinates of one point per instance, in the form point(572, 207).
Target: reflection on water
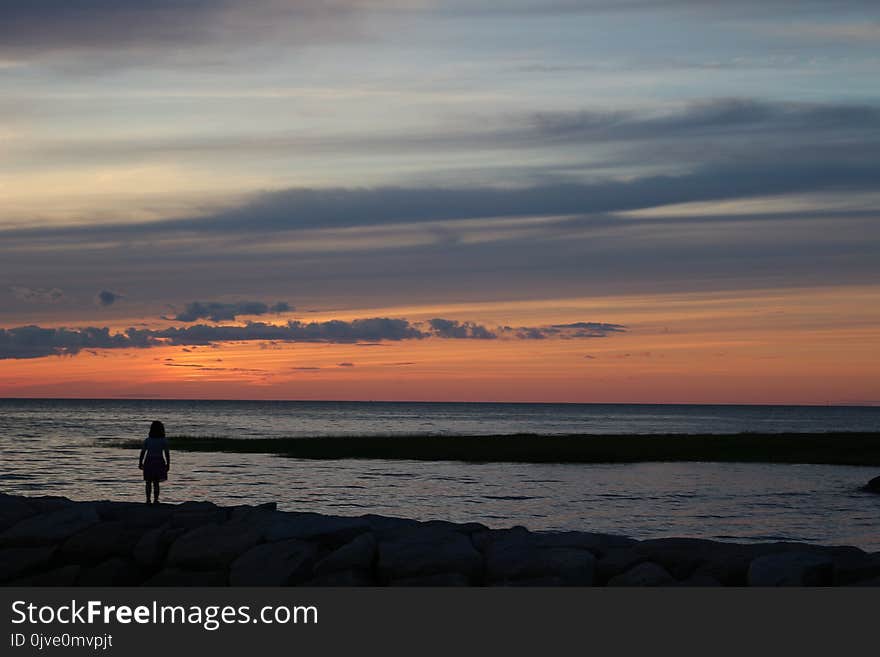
point(52, 450)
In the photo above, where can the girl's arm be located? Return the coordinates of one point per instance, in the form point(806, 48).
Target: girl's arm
point(141, 459)
point(167, 459)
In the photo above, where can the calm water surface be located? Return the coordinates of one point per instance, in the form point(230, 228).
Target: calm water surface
point(55, 447)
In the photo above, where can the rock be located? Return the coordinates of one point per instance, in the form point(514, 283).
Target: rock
point(506, 551)
point(179, 577)
point(99, 542)
point(64, 576)
point(314, 526)
point(681, 557)
point(112, 572)
point(616, 562)
point(250, 513)
point(598, 544)
point(873, 486)
point(482, 539)
point(791, 569)
point(516, 557)
point(51, 527)
point(153, 545)
point(144, 516)
point(342, 578)
point(382, 524)
point(12, 510)
point(16, 562)
point(644, 574)
point(440, 579)
point(273, 564)
point(852, 569)
point(461, 527)
point(47, 503)
point(212, 546)
point(197, 514)
point(428, 553)
point(357, 554)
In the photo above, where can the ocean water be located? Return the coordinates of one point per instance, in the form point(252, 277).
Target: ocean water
point(62, 447)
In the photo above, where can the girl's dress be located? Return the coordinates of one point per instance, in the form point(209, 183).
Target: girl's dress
point(155, 468)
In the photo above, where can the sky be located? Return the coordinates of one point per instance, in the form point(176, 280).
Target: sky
point(648, 201)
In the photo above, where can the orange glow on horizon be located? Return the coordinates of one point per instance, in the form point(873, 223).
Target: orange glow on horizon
point(806, 346)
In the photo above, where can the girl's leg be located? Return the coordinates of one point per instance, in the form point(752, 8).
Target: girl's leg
point(156, 492)
point(147, 486)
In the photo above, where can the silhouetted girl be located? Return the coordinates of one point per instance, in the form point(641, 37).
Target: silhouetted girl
point(155, 459)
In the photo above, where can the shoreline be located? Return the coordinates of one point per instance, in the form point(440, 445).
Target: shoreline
point(839, 448)
point(54, 541)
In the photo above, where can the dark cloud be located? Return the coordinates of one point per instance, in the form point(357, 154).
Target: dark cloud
point(37, 295)
point(345, 365)
point(36, 342)
point(165, 28)
point(107, 298)
point(587, 329)
point(566, 331)
point(220, 312)
point(718, 126)
point(447, 328)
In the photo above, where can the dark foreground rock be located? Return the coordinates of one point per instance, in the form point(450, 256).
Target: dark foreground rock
point(873, 486)
point(52, 541)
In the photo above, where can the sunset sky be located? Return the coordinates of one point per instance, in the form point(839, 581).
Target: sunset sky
point(567, 200)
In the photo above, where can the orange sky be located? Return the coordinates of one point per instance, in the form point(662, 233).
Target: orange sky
point(787, 346)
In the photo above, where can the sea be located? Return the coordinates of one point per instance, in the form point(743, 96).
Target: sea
point(70, 448)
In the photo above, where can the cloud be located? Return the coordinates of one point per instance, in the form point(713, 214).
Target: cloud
point(722, 123)
point(167, 28)
point(447, 328)
point(566, 331)
point(345, 365)
point(37, 295)
point(37, 342)
point(219, 312)
point(107, 298)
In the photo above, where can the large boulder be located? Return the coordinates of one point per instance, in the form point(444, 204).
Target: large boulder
point(518, 556)
point(212, 546)
point(99, 542)
point(855, 568)
point(279, 563)
point(151, 548)
point(13, 509)
point(598, 544)
point(141, 516)
point(616, 562)
point(644, 574)
point(873, 486)
point(16, 562)
point(51, 527)
point(428, 552)
point(190, 515)
point(792, 569)
point(333, 530)
point(358, 554)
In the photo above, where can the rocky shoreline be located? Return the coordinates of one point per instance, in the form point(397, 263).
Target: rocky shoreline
point(53, 541)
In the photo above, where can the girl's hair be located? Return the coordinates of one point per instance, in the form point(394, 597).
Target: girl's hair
point(157, 430)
